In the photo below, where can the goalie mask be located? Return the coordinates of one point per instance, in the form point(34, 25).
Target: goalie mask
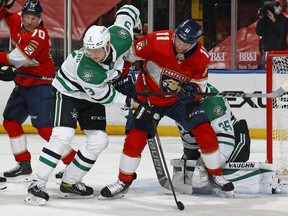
point(97, 37)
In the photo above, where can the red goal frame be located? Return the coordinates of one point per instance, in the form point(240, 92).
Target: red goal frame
point(269, 106)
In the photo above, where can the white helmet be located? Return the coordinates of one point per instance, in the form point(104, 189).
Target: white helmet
point(97, 37)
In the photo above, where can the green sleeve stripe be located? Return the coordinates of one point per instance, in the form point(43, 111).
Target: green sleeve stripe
point(64, 84)
point(226, 143)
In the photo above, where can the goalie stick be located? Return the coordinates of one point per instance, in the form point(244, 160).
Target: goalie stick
point(279, 92)
point(164, 180)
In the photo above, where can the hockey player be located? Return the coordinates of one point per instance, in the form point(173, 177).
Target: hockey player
point(234, 143)
point(232, 134)
point(175, 62)
point(81, 88)
point(30, 97)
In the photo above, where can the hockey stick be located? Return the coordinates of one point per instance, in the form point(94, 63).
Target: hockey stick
point(156, 140)
point(3, 5)
point(35, 76)
point(279, 92)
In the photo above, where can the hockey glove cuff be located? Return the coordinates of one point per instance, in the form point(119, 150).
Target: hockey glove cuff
point(7, 73)
point(146, 113)
point(125, 85)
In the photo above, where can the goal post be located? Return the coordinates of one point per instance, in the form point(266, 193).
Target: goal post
point(277, 111)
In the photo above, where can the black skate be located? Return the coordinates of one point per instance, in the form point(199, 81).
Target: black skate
point(115, 191)
point(76, 191)
point(37, 194)
point(20, 173)
point(3, 184)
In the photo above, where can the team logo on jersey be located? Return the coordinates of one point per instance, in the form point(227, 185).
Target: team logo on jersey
point(30, 48)
point(87, 76)
point(122, 33)
point(141, 44)
point(74, 114)
point(218, 110)
point(172, 80)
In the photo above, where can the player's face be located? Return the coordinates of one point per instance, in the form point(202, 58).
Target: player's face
point(30, 21)
point(97, 55)
point(182, 47)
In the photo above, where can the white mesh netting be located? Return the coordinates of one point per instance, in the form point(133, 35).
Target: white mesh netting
point(280, 116)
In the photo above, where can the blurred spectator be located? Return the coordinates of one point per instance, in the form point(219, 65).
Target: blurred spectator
point(272, 27)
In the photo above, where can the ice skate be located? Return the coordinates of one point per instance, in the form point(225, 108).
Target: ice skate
point(3, 184)
point(281, 187)
point(37, 194)
point(115, 191)
point(221, 183)
point(20, 173)
point(75, 191)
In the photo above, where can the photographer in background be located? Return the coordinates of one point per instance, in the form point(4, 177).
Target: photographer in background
point(272, 27)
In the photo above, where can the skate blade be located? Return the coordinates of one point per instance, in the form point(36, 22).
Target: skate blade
point(223, 194)
point(19, 179)
point(3, 186)
point(73, 196)
point(30, 199)
point(118, 196)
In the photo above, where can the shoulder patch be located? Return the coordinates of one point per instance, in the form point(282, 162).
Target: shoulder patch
point(123, 33)
point(218, 110)
point(87, 76)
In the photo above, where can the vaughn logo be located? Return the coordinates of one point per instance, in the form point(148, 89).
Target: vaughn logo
point(241, 165)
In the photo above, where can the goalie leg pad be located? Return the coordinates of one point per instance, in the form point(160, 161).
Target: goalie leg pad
point(247, 177)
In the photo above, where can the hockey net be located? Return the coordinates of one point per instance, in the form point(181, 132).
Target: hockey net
point(277, 112)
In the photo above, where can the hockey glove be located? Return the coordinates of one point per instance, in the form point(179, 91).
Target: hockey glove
point(146, 113)
point(6, 4)
point(186, 94)
point(7, 73)
point(125, 85)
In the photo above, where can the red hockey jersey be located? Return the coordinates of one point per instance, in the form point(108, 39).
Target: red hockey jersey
point(31, 50)
point(165, 72)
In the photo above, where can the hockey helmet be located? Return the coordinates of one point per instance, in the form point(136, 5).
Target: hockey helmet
point(189, 31)
point(97, 37)
point(32, 7)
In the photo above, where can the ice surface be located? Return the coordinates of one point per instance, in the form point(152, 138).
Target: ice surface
point(146, 196)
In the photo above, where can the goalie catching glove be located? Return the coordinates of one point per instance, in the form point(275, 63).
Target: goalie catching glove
point(143, 111)
point(7, 73)
point(186, 94)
